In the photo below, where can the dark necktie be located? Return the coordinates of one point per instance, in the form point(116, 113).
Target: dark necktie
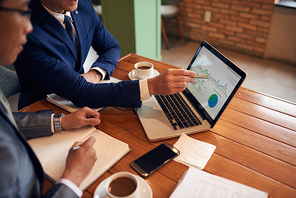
point(69, 29)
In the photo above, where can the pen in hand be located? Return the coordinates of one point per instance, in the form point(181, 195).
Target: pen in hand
point(205, 77)
point(75, 148)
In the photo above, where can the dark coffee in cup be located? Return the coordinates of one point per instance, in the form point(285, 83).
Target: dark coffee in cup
point(144, 67)
point(122, 186)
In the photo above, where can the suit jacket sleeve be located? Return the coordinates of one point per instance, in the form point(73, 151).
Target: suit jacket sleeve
point(20, 170)
point(48, 63)
point(33, 125)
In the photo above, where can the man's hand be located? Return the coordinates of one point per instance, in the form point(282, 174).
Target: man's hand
point(80, 162)
point(170, 82)
point(82, 117)
point(92, 76)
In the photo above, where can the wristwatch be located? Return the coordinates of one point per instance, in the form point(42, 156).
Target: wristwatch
point(57, 122)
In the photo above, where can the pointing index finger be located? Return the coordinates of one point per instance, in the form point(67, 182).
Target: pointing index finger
point(184, 72)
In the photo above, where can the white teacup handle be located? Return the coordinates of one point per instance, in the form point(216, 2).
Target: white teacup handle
point(134, 72)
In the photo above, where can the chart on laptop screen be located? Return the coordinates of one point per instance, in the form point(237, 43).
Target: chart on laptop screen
point(213, 92)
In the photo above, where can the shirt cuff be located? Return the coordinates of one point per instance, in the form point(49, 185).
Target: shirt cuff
point(144, 91)
point(101, 71)
point(51, 126)
point(71, 185)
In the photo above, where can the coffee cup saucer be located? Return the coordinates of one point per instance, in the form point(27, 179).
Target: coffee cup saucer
point(145, 190)
point(132, 75)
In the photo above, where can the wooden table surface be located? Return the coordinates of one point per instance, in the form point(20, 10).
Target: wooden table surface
point(255, 141)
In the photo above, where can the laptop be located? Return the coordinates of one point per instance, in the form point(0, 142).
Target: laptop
point(202, 102)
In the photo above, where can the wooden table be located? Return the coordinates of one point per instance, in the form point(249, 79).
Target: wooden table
point(255, 141)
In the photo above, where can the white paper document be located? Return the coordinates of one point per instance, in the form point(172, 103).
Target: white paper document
point(200, 184)
point(193, 152)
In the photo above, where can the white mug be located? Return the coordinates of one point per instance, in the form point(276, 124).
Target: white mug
point(143, 70)
point(121, 185)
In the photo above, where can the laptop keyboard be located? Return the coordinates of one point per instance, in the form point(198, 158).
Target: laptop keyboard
point(177, 111)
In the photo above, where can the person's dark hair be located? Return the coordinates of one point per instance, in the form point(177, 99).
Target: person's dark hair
point(1, 1)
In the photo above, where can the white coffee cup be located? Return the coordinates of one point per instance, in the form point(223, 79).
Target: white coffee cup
point(121, 185)
point(143, 70)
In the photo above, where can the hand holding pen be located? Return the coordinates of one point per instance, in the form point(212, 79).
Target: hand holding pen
point(80, 161)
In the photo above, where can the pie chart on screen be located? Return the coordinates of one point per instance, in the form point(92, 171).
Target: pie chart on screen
point(213, 100)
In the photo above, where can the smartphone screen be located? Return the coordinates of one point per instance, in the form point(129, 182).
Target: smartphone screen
point(154, 159)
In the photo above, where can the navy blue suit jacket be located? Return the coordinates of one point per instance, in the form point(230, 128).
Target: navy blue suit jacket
point(49, 64)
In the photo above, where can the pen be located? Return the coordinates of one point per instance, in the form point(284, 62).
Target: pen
point(206, 77)
point(75, 148)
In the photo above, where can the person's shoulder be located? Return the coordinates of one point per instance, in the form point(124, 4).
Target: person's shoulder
point(86, 7)
point(85, 4)
point(86, 12)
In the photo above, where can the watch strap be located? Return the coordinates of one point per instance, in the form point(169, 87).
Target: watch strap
point(57, 122)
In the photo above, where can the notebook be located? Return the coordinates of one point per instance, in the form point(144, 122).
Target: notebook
point(52, 152)
point(67, 105)
point(203, 101)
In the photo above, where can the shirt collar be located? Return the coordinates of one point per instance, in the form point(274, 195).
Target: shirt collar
point(60, 17)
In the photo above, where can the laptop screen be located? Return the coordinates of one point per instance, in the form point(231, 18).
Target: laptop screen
point(213, 94)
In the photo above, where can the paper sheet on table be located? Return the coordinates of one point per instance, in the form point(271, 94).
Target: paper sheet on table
point(193, 152)
point(198, 183)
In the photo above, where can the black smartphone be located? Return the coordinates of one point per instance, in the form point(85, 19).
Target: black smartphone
point(155, 159)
